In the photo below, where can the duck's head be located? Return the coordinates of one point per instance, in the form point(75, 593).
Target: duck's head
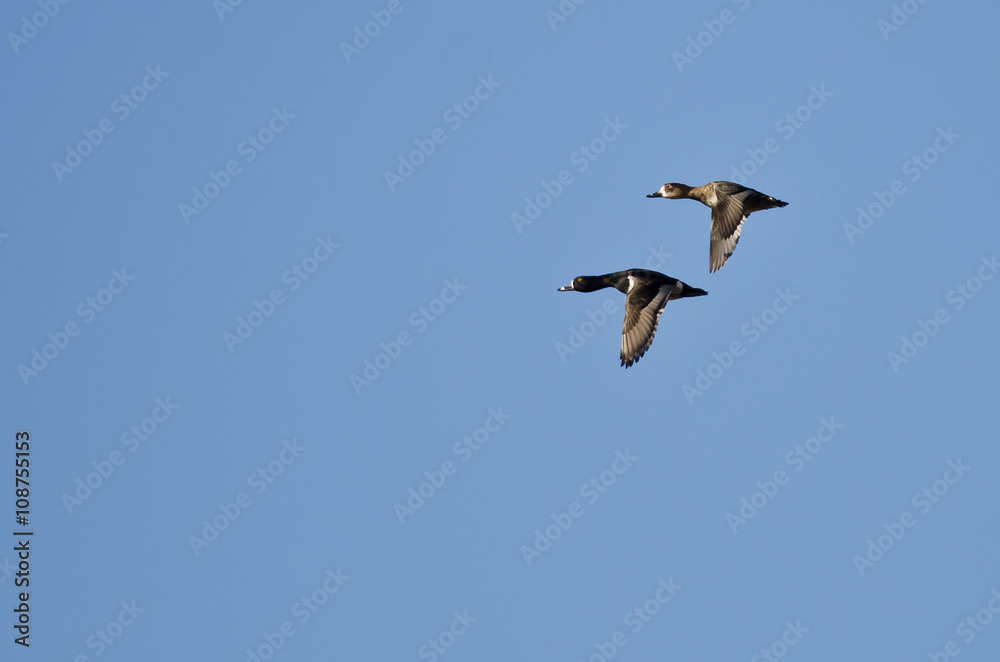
point(584, 284)
point(671, 191)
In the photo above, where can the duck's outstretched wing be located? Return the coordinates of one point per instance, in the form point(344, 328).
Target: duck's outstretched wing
point(728, 217)
point(643, 306)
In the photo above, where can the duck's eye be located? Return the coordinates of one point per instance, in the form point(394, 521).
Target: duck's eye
point(579, 279)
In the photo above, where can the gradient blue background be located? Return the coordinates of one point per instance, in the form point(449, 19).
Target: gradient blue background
point(495, 346)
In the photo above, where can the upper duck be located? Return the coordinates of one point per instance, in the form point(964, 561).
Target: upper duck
point(647, 293)
point(730, 203)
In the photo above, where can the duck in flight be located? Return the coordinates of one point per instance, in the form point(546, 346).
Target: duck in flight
point(730, 203)
point(647, 293)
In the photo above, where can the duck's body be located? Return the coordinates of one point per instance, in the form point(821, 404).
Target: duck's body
point(730, 203)
point(647, 293)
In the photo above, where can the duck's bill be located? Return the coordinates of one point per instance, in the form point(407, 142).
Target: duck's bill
point(567, 288)
point(655, 194)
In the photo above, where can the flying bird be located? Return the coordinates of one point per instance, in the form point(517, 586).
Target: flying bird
point(647, 292)
point(731, 204)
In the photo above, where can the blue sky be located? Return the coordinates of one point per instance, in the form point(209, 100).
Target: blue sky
point(283, 327)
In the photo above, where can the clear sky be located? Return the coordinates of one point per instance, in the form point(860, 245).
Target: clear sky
point(282, 322)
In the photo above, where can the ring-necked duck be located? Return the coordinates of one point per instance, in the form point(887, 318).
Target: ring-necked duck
point(647, 292)
point(731, 204)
